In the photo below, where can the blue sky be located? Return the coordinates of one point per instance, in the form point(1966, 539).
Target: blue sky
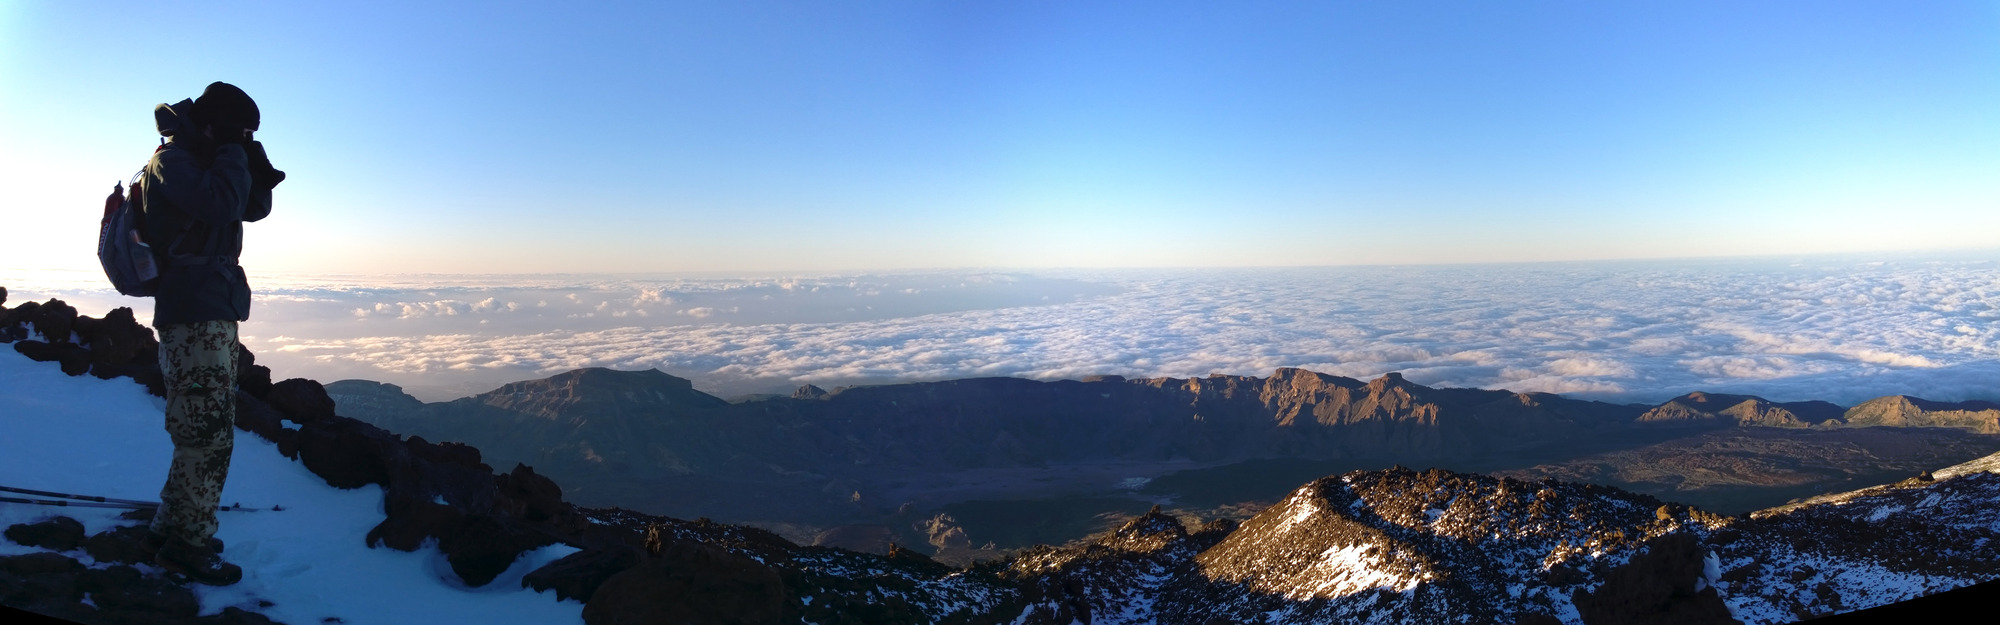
point(749, 136)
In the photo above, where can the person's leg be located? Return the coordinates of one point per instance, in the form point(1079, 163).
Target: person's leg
point(199, 363)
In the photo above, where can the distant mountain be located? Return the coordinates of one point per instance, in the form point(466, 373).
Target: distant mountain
point(1906, 411)
point(649, 440)
point(1700, 408)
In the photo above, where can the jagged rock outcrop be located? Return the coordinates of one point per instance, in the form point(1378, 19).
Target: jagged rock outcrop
point(1711, 409)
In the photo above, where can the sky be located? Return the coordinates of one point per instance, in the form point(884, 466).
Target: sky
point(474, 138)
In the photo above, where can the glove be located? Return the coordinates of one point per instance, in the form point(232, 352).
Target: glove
point(262, 175)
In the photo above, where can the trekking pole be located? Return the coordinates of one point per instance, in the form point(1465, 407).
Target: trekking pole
point(74, 504)
point(129, 505)
point(44, 493)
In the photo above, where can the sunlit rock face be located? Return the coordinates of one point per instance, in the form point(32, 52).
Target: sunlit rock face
point(1906, 411)
point(1402, 546)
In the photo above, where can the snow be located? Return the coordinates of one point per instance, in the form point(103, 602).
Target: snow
point(310, 562)
point(1349, 569)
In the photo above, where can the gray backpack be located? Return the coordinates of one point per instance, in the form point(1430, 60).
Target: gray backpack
point(121, 242)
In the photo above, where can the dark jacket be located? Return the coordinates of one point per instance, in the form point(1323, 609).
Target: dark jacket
point(197, 198)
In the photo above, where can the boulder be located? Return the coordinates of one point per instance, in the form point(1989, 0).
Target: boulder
point(120, 544)
point(484, 546)
point(257, 417)
point(123, 589)
point(347, 453)
point(411, 520)
point(55, 320)
point(20, 314)
point(537, 496)
point(690, 582)
point(1656, 586)
point(75, 360)
point(578, 575)
point(253, 378)
point(301, 400)
point(58, 534)
point(42, 582)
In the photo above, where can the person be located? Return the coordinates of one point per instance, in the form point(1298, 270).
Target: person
point(199, 188)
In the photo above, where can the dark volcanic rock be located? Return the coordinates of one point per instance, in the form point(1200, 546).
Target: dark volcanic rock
point(301, 400)
point(125, 589)
point(75, 360)
point(347, 453)
point(690, 582)
point(578, 575)
point(55, 320)
point(58, 534)
point(125, 544)
point(1658, 586)
point(44, 583)
point(482, 547)
point(257, 417)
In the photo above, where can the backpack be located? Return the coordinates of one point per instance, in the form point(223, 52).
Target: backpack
point(121, 242)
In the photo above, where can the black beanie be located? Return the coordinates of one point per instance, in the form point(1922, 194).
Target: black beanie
point(222, 104)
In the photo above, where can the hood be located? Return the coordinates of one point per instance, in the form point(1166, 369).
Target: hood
point(175, 119)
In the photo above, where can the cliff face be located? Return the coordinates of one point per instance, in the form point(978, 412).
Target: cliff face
point(650, 421)
point(1906, 411)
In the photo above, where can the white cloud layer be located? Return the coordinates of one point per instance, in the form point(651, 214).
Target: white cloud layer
point(1834, 329)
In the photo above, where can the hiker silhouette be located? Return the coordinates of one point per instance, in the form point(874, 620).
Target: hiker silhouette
point(201, 186)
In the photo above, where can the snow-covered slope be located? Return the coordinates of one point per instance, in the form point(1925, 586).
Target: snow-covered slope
point(305, 564)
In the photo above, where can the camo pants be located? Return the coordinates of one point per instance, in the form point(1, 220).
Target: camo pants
point(199, 360)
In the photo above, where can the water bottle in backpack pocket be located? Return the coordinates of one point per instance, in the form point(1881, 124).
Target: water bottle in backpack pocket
point(121, 243)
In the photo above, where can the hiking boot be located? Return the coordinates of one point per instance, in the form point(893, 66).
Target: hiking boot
point(198, 564)
point(156, 540)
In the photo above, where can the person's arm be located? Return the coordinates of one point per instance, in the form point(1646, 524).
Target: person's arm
point(262, 178)
point(216, 195)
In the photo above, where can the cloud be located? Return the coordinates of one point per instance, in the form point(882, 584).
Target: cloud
point(1629, 331)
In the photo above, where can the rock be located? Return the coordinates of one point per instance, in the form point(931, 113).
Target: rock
point(41, 582)
point(411, 520)
point(347, 453)
point(809, 392)
point(539, 497)
point(578, 575)
point(1656, 586)
point(20, 314)
point(75, 360)
point(236, 616)
point(121, 544)
point(58, 534)
point(55, 320)
point(124, 589)
point(484, 546)
point(302, 400)
point(255, 380)
point(690, 583)
point(257, 417)
point(118, 339)
point(3, 296)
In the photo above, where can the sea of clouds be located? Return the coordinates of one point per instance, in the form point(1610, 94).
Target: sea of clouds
point(1843, 329)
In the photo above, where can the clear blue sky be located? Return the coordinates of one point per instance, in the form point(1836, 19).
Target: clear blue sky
point(717, 136)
